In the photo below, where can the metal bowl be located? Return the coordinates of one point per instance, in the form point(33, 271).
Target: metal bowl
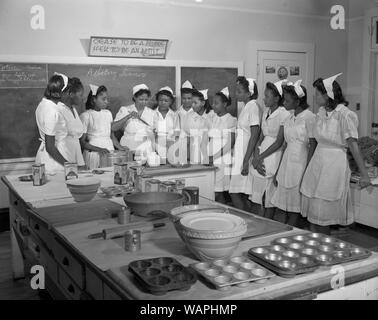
point(148, 203)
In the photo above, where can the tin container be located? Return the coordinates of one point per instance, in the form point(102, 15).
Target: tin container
point(39, 175)
point(153, 185)
point(236, 271)
point(139, 170)
point(132, 240)
point(180, 185)
point(161, 275)
point(289, 256)
point(191, 195)
point(124, 215)
point(168, 186)
point(70, 170)
point(141, 182)
point(120, 174)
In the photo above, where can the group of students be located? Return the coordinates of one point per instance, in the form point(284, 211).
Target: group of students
point(286, 159)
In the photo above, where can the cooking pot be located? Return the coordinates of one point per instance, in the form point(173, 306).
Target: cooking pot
point(153, 203)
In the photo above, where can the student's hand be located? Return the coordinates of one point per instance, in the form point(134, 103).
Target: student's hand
point(275, 183)
point(255, 162)
point(134, 115)
point(122, 148)
point(245, 169)
point(103, 151)
point(261, 168)
point(364, 182)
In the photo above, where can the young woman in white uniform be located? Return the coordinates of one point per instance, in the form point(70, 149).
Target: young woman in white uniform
point(72, 98)
point(326, 197)
point(186, 101)
point(137, 122)
point(247, 134)
point(98, 139)
point(221, 141)
point(298, 149)
point(196, 126)
point(166, 122)
point(268, 151)
point(51, 126)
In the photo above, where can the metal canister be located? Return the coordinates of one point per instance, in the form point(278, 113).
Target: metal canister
point(124, 215)
point(191, 195)
point(141, 182)
point(71, 170)
point(168, 186)
point(38, 173)
point(152, 185)
point(132, 240)
point(180, 185)
point(120, 174)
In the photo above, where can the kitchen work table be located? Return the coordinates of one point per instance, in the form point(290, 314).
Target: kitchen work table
point(50, 229)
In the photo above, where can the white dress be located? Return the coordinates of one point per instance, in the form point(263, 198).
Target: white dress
point(249, 116)
point(50, 122)
point(325, 188)
point(97, 126)
point(298, 130)
point(165, 129)
point(71, 150)
point(194, 128)
point(261, 185)
point(182, 113)
point(220, 130)
point(137, 135)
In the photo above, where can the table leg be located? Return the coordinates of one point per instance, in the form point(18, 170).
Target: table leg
point(17, 260)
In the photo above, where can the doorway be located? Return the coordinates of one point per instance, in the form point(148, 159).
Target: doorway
point(274, 61)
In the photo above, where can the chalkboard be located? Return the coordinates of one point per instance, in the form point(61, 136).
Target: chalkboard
point(22, 86)
point(214, 79)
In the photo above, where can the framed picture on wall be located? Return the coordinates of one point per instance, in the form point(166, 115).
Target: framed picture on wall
point(374, 33)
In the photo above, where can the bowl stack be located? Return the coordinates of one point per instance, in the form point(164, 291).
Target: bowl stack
point(83, 189)
point(210, 235)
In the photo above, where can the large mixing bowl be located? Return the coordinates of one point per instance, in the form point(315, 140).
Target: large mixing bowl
point(83, 189)
point(211, 235)
point(148, 203)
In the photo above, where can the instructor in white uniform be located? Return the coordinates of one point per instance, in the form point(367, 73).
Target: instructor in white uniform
point(59, 136)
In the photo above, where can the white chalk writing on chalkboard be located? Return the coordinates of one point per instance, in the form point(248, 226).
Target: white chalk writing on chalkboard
point(127, 48)
point(18, 75)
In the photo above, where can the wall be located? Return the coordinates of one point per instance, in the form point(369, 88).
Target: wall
point(205, 34)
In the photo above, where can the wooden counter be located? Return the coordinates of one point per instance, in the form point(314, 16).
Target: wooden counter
point(53, 231)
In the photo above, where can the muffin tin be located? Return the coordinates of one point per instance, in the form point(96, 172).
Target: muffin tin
point(117, 191)
point(160, 275)
point(236, 271)
point(289, 256)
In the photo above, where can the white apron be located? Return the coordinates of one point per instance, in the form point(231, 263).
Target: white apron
point(97, 125)
point(70, 147)
point(325, 187)
point(137, 135)
point(249, 116)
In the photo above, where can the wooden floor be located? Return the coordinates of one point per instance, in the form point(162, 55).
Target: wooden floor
point(20, 289)
point(9, 289)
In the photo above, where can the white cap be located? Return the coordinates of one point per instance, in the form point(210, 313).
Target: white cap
point(279, 85)
point(94, 89)
point(297, 87)
point(139, 87)
point(204, 93)
point(251, 86)
point(328, 84)
point(187, 85)
point(166, 89)
point(226, 92)
point(65, 79)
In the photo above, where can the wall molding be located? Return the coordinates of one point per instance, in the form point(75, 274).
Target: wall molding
point(238, 9)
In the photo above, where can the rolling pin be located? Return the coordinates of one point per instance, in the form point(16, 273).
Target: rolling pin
point(118, 232)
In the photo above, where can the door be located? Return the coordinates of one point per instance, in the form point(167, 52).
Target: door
point(278, 65)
